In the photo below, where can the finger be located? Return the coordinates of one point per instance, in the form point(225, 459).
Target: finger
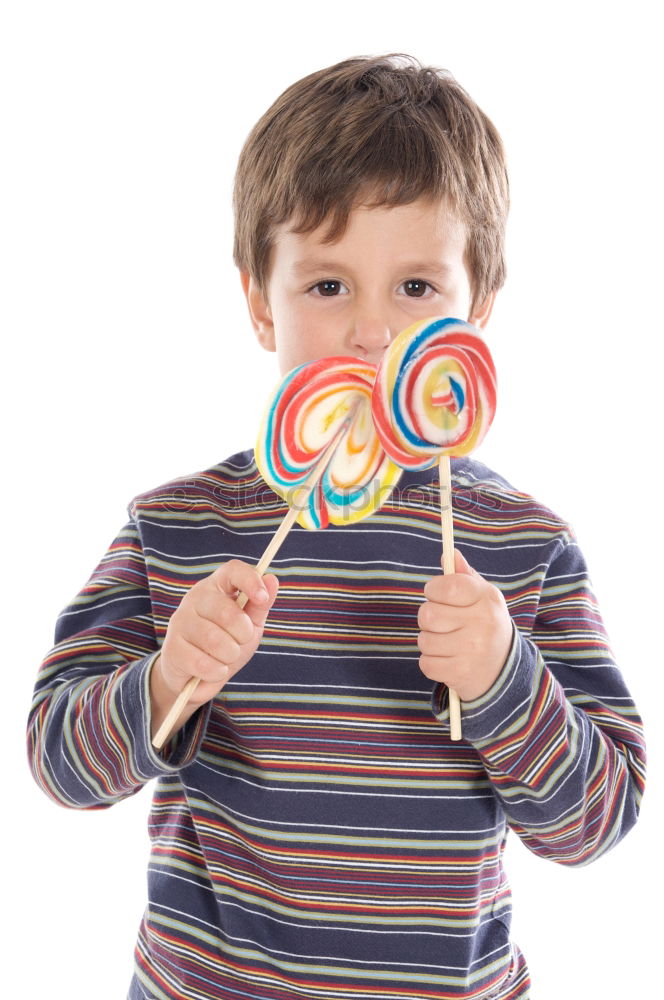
point(257, 613)
point(434, 644)
point(189, 660)
point(202, 663)
point(439, 668)
point(214, 610)
point(439, 618)
point(219, 642)
point(455, 589)
point(461, 564)
point(236, 576)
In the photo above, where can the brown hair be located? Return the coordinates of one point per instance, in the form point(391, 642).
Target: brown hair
point(374, 131)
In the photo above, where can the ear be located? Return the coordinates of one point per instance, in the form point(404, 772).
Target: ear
point(259, 311)
point(480, 314)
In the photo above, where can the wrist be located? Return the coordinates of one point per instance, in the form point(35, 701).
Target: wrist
point(158, 696)
point(162, 698)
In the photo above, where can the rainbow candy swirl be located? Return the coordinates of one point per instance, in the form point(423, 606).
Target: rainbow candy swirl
point(435, 392)
point(301, 418)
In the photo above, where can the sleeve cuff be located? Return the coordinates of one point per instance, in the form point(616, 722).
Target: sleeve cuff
point(484, 718)
point(183, 746)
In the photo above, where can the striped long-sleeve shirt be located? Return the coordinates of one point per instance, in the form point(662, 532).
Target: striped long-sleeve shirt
point(315, 832)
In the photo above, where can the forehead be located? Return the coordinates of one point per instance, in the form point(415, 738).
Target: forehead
point(423, 230)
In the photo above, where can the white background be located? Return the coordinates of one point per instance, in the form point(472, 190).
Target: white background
point(128, 359)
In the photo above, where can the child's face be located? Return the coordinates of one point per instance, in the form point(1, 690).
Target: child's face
point(391, 268)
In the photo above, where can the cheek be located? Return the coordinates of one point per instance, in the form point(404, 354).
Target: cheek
point(302, 335)
point(458, 304)
point(296, 343)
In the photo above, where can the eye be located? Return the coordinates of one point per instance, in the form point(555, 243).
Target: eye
point(328, 289)
point(416, 288)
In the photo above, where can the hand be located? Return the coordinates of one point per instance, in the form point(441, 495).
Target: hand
point(209, 637)
point(466, 631)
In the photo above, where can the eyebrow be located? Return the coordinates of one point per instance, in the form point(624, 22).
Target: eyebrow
point(307, 266)
point(304, 267)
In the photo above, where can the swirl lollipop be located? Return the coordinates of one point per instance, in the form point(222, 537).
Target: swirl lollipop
point(305, 413)
point(435, 393)
point(435, 396)
point(318, 449)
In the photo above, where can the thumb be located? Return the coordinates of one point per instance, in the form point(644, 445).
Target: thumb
point(259, 612)
point(461, 564)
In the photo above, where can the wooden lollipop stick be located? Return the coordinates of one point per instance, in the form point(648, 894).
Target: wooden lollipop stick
point(298, 501)
point(447, 524)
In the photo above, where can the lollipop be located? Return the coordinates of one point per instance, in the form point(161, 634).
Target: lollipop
point(435, 396)
point(305, 413)
point(435, 393)
point(318, 449)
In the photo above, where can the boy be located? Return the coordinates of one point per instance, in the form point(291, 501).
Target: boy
point(315, 832)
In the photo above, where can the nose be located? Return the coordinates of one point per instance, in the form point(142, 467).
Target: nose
point(371, 335)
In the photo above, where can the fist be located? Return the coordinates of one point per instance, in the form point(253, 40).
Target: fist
point(465, 631)
point(209, 636)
